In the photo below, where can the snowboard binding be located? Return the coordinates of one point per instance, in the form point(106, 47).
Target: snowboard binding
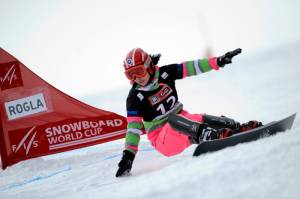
point(199, 132)
point(212, 127)
point(249, 125)
point(221, 122)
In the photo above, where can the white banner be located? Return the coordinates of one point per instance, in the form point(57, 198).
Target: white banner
point(25, 106)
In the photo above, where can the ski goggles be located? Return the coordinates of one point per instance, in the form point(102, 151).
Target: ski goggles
point(136, 72)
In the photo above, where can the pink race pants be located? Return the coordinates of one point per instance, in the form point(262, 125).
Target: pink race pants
point(168, 141)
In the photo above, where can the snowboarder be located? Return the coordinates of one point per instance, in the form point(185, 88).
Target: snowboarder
point(153, 107)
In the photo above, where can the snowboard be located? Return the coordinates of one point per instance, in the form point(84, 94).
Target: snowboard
point(264, 131)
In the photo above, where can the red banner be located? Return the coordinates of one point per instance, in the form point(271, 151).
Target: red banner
point(38, 119)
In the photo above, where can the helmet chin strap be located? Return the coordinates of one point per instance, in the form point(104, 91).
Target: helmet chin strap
point(151, 69)
point(151, 76)
point(151, 72)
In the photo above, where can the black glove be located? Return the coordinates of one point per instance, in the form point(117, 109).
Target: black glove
point(125, 164)
point(155, 58)
point(226, 59)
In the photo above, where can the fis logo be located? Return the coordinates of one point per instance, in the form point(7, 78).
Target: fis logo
point(27, 142)
point(10, 75)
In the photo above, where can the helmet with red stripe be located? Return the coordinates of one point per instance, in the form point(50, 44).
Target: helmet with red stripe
point(137, 56)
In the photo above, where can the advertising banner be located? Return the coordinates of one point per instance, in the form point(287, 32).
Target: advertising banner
point(38, 119)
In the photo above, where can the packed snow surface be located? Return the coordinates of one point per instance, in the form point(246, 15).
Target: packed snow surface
point(263, 86)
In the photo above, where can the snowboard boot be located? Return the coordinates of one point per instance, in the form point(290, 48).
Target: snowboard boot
point(213, 134)
point(196, 131)
point(225, 132)
point(250, 125)
point(221, 122)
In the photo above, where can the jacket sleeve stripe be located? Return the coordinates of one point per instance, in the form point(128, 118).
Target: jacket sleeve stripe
point(131, 142)
point(197, 67)
point(190, 68)
point(213, 63)
point(132, 113)
point(134, 119)
point(205, 65)
point(135, 131)
point(131, 148)
point(184, 71)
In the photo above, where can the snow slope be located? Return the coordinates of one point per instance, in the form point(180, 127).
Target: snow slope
point(264, 86)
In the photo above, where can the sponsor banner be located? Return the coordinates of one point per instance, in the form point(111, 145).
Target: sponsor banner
point(36, 119)
point(25, 106)
point(61, 136)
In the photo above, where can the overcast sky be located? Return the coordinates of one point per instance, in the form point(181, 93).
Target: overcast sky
point(79, 45)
